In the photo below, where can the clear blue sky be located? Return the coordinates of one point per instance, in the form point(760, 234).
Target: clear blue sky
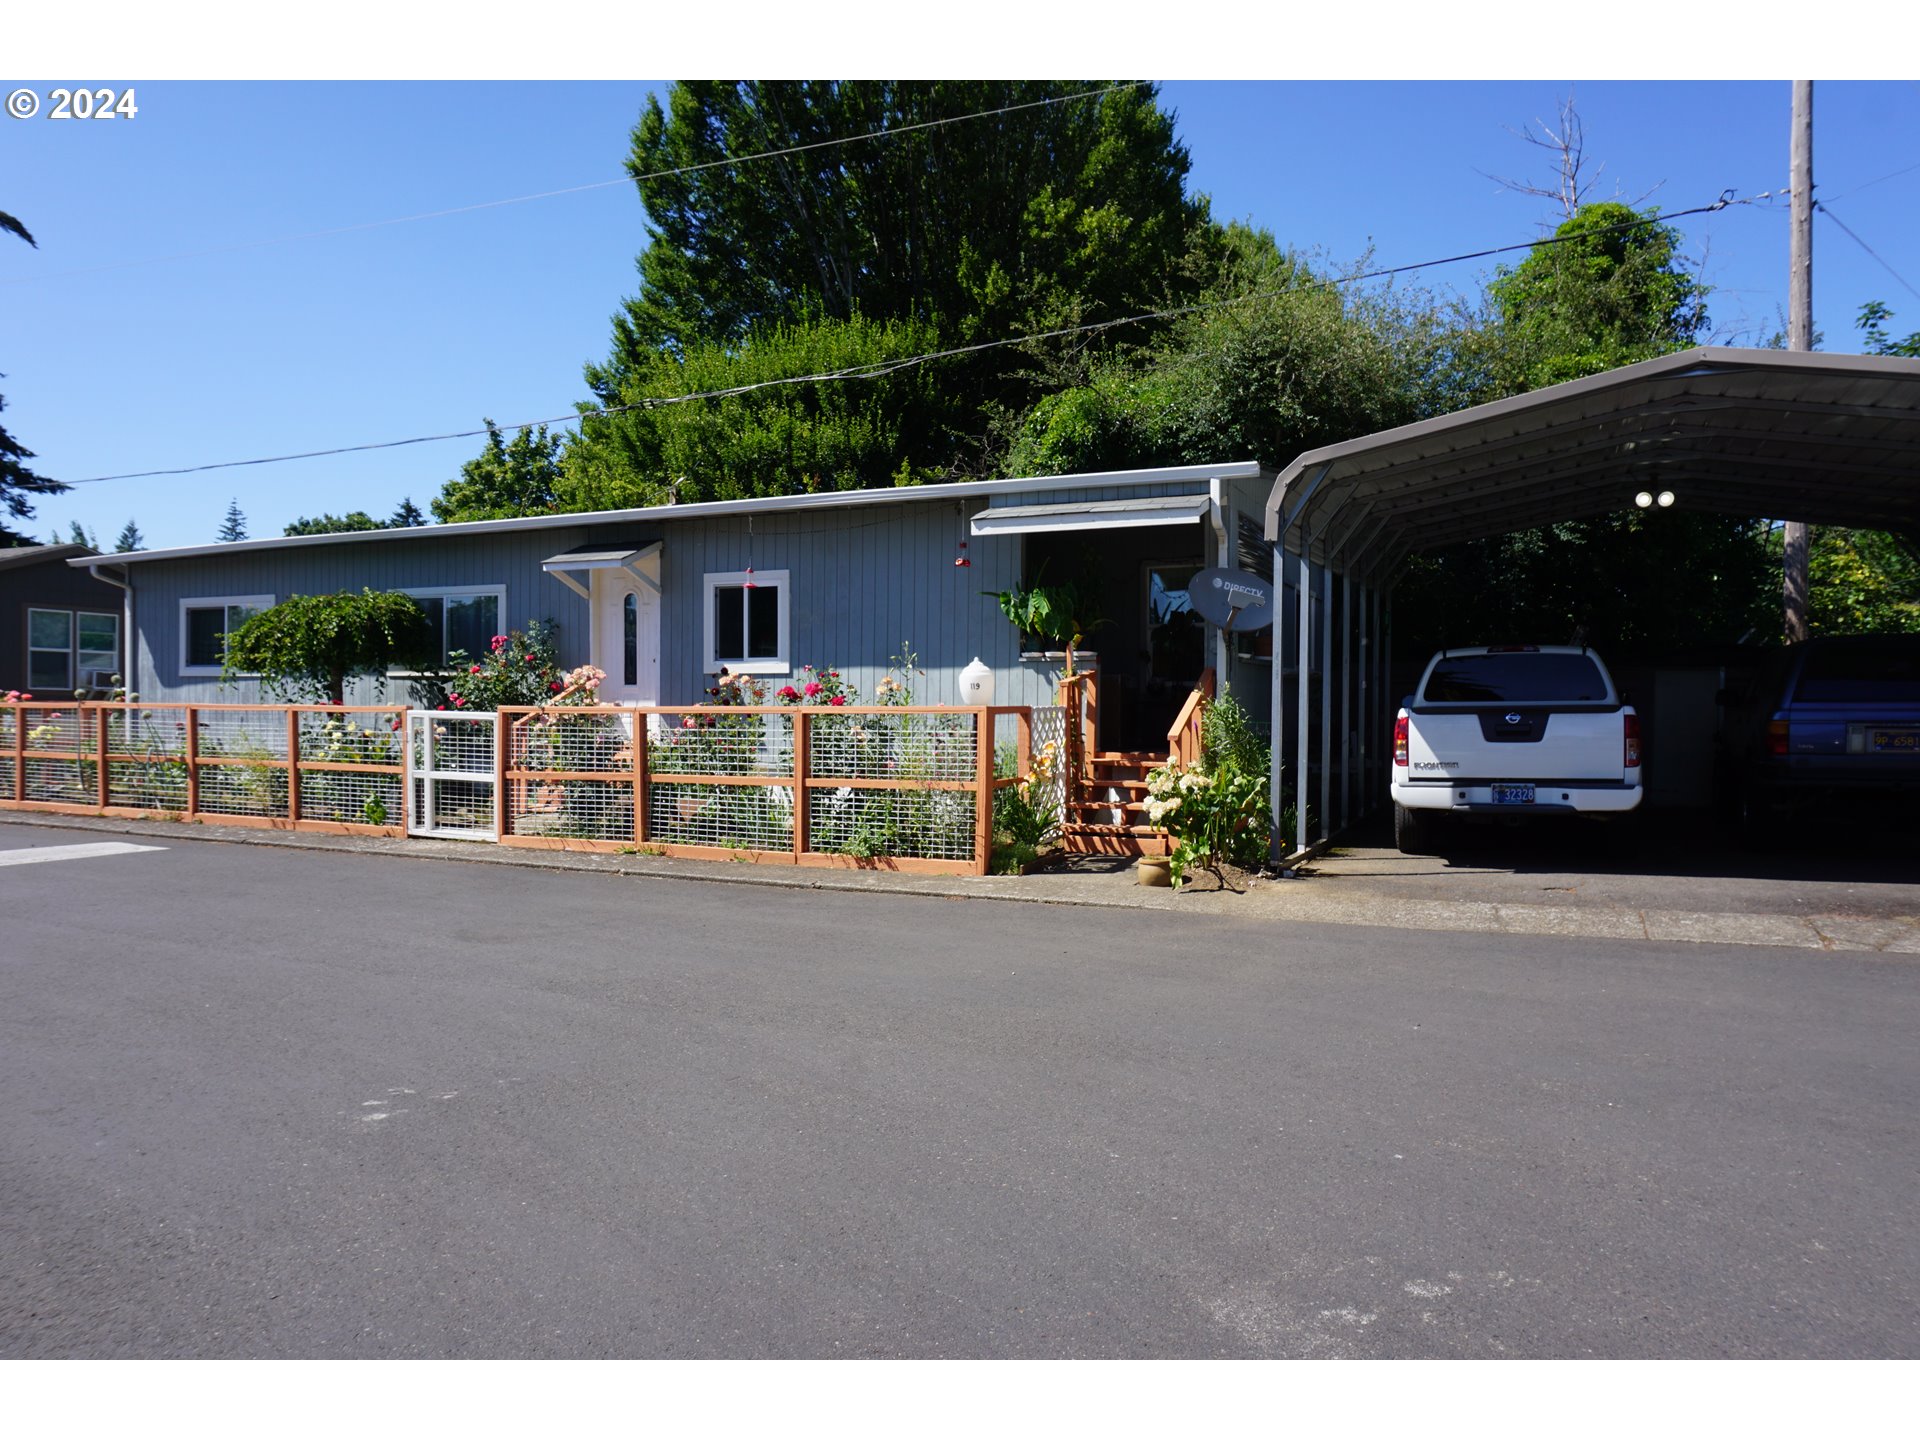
point(425, 327)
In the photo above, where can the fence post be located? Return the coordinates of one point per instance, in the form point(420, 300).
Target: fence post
point(502, 724)
point(642, 799)
point(193, 760)
point(293, 765)
point(1023, 739)
point(404, 751)
point(801, 764)
point(983, 792)
point(104, 789)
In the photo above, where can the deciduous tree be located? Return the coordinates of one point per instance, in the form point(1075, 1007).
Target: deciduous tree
point(308, 646)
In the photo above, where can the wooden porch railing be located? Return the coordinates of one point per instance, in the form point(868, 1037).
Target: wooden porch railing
point(1183, 736)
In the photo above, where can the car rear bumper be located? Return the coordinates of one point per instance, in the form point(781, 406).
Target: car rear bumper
point(1549, 798)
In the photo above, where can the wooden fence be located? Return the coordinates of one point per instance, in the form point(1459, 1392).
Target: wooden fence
point(330, 768)
point(906, 788)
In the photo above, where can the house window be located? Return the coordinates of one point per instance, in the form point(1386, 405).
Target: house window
point(205, 625)
point(50, 649)
point(746, 622)
point(463, 620)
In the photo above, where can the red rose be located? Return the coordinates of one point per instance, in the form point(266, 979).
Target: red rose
point(838, 700)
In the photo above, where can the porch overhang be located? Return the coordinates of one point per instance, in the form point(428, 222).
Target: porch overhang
point(602, 557)
point(1092, 515)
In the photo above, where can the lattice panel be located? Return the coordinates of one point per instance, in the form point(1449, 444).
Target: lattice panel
point(718, 743)
point(571, 809)
point(349, 797)
point(1050, 729)
point(752, 817)
point(560, 740)
point(920, 824)
point(892, 747)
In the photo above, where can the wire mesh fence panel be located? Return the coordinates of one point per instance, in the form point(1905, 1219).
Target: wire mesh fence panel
point(450, 760)
point(242, 769)
point(599, 741)
point(9, 728)
point(732, 817)
point(350, 797)
point(59, 729)
point(570, 809)
point(61, 782)
point(904, 824)
point(903, 746)
point(147, 758)
point(720, 742)
point(350, 737)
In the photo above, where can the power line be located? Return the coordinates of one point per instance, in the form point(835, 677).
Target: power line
point(1866, 247)
point(877, 369)
point(1905, 169)
point(885, 134)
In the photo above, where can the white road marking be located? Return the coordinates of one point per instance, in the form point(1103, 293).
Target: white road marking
point(43, 853)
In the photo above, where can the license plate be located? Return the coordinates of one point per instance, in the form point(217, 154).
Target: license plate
point(1895, 742)
point(1513, 794)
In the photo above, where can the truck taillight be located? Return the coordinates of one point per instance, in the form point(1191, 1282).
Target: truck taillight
point(1400, 742)
point(1776, 737)
point(1633, 739)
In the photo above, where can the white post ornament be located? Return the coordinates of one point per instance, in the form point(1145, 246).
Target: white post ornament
point(976, 684)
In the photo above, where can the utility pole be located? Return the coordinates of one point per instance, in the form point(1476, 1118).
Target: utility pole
point(1799, 333)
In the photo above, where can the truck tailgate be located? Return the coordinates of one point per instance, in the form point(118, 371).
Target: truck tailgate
point(1524, 742)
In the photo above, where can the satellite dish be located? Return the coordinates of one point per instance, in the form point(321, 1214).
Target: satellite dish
point(1235, 600)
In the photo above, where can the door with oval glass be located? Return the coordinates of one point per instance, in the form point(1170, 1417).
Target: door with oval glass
point(626, 635)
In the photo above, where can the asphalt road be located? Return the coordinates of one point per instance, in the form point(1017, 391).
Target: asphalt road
point(261, 1102)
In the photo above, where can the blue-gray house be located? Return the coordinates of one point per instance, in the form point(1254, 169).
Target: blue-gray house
point(660, 598)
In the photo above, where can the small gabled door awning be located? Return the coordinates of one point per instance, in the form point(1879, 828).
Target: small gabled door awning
point(1091, 515)
point(602, 557)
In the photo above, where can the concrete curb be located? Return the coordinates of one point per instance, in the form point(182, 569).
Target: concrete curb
point(1283, 901)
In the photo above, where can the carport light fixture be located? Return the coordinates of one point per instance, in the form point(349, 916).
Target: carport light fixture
point(1647, 498)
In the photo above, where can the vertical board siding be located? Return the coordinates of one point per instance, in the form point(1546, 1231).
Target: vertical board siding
point(863, 581)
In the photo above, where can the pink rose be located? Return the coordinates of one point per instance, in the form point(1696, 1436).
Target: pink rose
point(814, 687)
point(473, 670)
point(838, 700)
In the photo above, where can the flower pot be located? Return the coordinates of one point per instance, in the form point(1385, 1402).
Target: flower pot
point(1154, 870)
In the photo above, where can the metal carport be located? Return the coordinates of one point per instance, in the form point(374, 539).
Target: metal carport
point(1828, 439)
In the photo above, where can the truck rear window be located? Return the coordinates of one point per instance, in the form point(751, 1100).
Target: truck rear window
point(1882, 671)
point(1519, 677)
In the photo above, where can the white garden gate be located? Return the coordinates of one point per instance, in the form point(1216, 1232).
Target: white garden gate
point(451, 774)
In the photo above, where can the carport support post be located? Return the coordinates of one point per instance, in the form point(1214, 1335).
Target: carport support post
point(1346, 698)
point(1326, 702)
point(1277, 703)
point(1302, 664)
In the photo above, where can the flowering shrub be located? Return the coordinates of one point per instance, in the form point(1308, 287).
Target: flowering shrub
point(818, 687)
point(517, 669)
point(1217, 809)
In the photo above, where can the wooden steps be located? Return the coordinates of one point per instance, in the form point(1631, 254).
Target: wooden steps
point(1109, 818)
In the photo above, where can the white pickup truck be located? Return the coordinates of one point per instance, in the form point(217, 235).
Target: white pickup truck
point(1512, 730)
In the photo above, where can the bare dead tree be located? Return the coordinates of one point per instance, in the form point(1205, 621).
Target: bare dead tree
point(1565, 140)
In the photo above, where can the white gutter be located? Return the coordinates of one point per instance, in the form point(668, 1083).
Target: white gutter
point(129, 679)
point(769, 504)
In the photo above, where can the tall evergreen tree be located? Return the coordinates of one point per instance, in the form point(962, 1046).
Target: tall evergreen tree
point(234, 527)
point(17, 482)
point(333, 524)
point(130, 539)
point(77, 535)
point(406, 516)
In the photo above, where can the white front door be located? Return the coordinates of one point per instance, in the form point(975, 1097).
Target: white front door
point(626, 633)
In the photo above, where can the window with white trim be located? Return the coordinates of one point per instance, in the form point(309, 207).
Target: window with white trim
point(70, 648)
point(746, 622)
point(205, 624)
point(464, 618)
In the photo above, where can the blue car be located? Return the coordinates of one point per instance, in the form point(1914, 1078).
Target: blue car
point(1829, 722)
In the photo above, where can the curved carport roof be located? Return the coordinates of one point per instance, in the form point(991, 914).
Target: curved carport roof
point(1828, 439)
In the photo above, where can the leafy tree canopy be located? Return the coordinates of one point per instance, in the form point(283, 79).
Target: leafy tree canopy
point(514, 477)
point(308, 646)
point(1872, 323)
point(334, 524)
point(973, 228)
point(777, 440)
point(1612, 290)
